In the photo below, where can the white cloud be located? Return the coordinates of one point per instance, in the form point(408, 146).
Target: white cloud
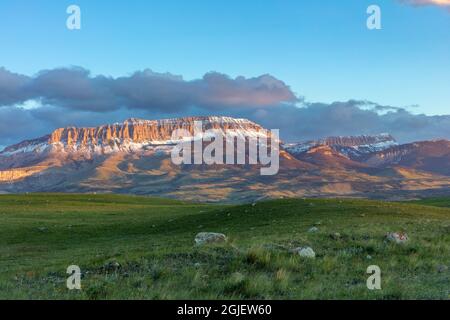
point(427, 2)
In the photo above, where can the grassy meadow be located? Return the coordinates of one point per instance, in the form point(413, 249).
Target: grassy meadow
point(131, 247)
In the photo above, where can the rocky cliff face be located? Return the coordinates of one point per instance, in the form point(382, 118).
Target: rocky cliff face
point(130, 135)
point(139, 131)
point(353, 141)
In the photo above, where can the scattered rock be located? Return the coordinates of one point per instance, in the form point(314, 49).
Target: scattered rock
point(336, 236)
point(313, 229)
point(305, 252)
point(237, 277)
point(209, 237)
point(442, 268)
point(397, 237)
point(369, 257)
point(42, 229)
point(111, 266)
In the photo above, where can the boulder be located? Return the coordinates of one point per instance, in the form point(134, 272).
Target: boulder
point(209, 237)
point(111, 266)
point(335, 236)
point(397, 237)
point(442, 268)
point(313, 229)
point(305, 252)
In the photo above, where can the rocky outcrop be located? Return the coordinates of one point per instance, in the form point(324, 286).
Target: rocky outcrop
point(304, 252)
point(352, 141)
point(130, 133)
point(139, 131)
point(397, 237)
point(209, 237)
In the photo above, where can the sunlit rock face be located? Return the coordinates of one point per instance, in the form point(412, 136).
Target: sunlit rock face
point(131, 135)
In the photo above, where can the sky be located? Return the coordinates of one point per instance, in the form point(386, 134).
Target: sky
point(261, 59)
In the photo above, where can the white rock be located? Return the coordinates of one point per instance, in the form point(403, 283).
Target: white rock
point(305, 252)
point(397, 237)
point(335, 236)
point(313, 229)
point(209, 237)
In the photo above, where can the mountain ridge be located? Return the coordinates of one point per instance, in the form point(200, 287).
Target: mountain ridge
point(136, 132)
point(134, 157)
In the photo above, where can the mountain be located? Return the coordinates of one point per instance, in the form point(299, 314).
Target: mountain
point(431, 156)
point(350, 147)
point(129, 136)
point(134, 157)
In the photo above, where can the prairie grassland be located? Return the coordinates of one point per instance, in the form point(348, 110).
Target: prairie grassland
point(142, 248)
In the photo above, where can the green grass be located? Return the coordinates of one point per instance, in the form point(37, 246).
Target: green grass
point(152, 241)
point(438, 202)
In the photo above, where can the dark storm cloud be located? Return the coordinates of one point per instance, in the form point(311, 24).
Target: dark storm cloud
point(12, 87)
point(17, 124)
point(75, 88)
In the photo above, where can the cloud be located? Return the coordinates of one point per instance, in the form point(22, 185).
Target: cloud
point(442, 3)
point(75, 88)
point(316, 120)
point(72, 97)
point(12, 87)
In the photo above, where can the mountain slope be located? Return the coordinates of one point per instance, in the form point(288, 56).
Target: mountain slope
point(432, 156)
point(353, 148)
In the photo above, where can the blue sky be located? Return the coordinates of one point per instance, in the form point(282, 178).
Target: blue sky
point(308, 67)
point(321, 49)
